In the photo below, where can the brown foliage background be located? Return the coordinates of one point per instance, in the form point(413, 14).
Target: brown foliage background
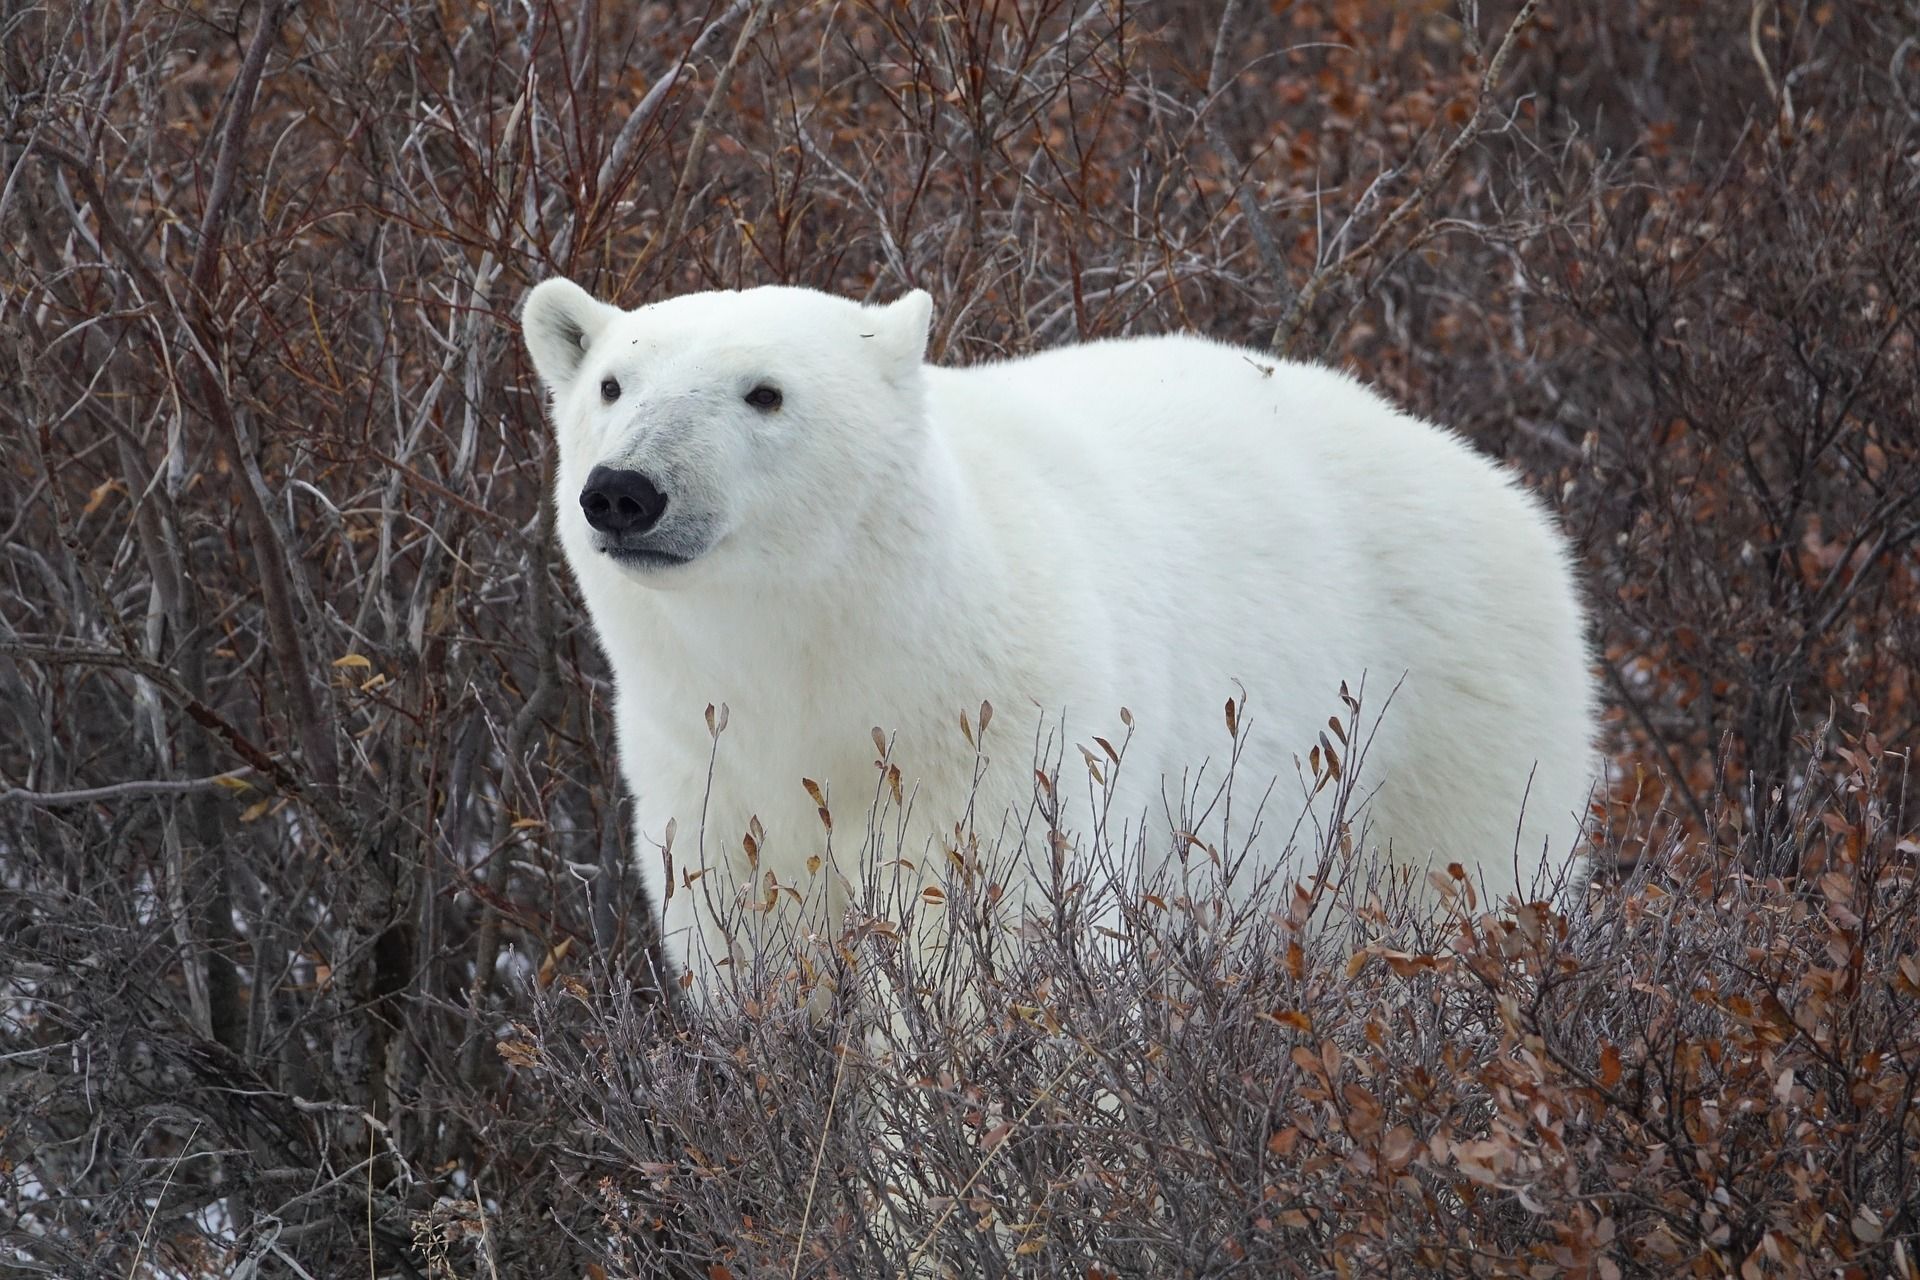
point(318, 950)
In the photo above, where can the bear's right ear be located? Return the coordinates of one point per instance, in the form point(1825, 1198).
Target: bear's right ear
point(560, 320)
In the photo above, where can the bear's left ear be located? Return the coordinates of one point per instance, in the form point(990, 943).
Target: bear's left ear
point(904, 323)
point(560, 320)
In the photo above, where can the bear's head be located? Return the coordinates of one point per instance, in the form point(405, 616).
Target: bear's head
point(727, 432)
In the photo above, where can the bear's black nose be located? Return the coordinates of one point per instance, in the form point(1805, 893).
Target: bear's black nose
point(620, 502)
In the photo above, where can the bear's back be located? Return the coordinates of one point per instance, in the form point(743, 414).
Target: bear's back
point(1217, 519)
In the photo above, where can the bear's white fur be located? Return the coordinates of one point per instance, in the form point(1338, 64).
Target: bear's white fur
point(1159, 524)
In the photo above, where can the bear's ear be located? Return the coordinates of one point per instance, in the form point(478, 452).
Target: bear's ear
point(903, 326)
point(560, 320)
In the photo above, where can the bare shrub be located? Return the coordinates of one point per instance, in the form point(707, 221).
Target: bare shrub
point(1713, 1075)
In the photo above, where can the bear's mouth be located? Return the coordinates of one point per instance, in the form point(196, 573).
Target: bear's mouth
point(667, 546)
point(644, 557)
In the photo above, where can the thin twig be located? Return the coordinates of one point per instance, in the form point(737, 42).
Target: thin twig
point(697, 149)
point(146, 1232)
point(1243, 193)
point(649, 105)
point(1287, 333)
point(373, 1272)
point(486, 1233)
point(126, 790)
point(819, 1154)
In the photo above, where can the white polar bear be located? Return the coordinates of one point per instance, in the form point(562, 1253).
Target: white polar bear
point(772, 504)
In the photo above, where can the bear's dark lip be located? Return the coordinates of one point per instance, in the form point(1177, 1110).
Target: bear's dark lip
point(643, 558)
point(667, 547)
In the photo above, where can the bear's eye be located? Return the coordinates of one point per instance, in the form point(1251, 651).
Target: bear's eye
point(609, 390)
point(764, 397)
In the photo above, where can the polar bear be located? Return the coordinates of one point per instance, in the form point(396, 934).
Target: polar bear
point(779, 515)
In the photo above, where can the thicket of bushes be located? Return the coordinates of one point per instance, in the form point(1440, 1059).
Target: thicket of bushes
point(318, 950)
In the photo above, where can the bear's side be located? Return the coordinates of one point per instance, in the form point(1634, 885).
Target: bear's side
point(1279, 528)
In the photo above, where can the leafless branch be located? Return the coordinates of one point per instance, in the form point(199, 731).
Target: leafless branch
point(126, 790)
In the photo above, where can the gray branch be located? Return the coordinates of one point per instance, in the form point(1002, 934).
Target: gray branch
point(124, 790)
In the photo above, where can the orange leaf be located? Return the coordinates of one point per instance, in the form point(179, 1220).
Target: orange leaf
point(1292, 1018)
point(99, 495)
